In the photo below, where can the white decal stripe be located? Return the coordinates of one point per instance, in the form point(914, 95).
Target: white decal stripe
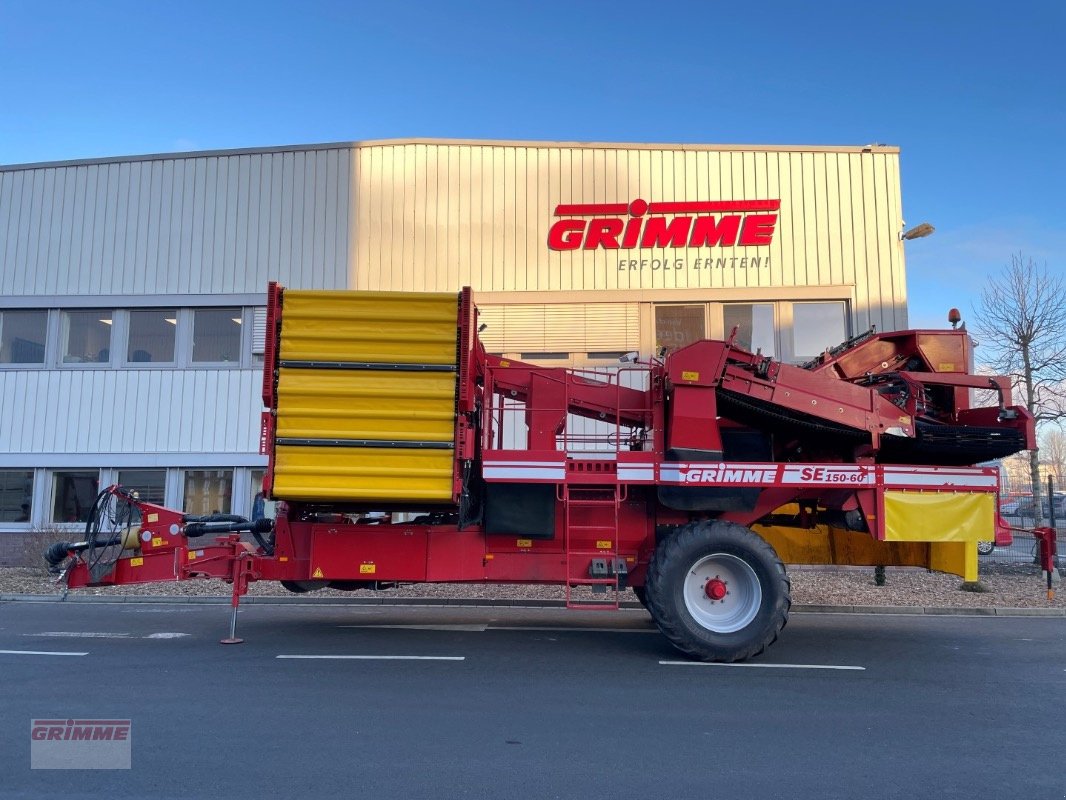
point(535, 473)
point(953, 481)
point(490, 462)
point(636, 474)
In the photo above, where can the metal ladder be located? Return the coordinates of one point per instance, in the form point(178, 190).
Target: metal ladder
point(593, 497)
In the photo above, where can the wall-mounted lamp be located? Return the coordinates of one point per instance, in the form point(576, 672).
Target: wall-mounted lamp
point(919, 231)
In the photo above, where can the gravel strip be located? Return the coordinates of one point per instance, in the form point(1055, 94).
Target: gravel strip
point(1008, 586)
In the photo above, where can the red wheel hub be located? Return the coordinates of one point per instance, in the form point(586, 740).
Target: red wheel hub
point(715, 589)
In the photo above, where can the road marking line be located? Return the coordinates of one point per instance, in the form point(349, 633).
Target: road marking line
point(80, 635)
point(570, 630)
point(38, 653)
point(164, 635)
point(381, 658)
point(760, 666)
point(474, 628)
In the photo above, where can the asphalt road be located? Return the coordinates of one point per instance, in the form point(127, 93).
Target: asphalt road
point(534, 704)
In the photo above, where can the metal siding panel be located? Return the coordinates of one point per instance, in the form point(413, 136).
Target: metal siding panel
point(887, 223)
point(864, 313)
point(225, 263)
point(331, 178)
point(9, 222)
point(810, 222)
point(898, 267)
point(126, 411)
point(49, 232)
point(422, 273)
point(93, 259)
point(30, 266)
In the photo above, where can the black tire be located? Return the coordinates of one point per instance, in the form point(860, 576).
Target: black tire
point(985, 548)
point(642, 595)
point(760, 580)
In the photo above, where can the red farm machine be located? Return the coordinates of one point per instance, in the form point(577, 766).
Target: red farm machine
point(400, 451)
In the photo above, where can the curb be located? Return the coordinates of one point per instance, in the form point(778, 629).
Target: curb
point(477, 602)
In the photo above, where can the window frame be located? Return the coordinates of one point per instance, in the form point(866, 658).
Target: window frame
point(243, 342)
point(790, 340)
point(44, 363)
point(127, 329)
point(117, 321)
point(49, 517)
point(27, 523)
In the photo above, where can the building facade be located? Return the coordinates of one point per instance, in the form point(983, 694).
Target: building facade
point(132, 289)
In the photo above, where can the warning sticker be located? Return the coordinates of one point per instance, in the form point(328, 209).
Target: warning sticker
point(157, 541)
point(317, 573)
point(524, 543)
point(367, 569)
point(690, 376)
point(603, 544)
point(136, 562)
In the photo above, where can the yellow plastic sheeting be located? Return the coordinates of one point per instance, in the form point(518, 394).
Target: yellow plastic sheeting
point(362, 474)
point(366, 404)
point(957, 558)
point(939, 516)
point(826, 545)
point(376, 327)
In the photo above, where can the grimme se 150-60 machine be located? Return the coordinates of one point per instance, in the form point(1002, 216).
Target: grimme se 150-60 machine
point(401, 451)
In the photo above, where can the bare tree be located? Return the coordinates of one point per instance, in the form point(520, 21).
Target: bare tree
point(1021, 322)
point(1053, 450)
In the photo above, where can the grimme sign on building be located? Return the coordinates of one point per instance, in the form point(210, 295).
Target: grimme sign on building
point(662, 225)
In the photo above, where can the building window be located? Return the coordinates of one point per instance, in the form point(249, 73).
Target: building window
point(22, 335)
point(74, 494)
point(152, 335)
point(216, 335)
point(208, 491)
point(149, 484)
point(755, 326)
point(259, 505)
point(677, 326)
point(16, 495)
point(816, 326)
point(86, 337)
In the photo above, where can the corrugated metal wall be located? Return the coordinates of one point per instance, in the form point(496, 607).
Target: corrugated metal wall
point(437, 216)
point(129, 411)
point(190, 224)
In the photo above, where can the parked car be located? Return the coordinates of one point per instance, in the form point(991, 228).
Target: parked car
point(1004, 538)
point(1008, 506)
point(1027, 506)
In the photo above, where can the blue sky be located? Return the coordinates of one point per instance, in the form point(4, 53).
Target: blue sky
point(972, 92)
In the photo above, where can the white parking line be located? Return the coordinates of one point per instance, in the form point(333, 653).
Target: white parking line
point(760, 666)
point(38, 653)
point(380, 658)
point(79, 635)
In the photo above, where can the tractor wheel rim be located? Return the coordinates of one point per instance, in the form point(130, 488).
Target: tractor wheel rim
point(742, 600)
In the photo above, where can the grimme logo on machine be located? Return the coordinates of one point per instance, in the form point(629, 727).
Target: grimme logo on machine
point(644, 225)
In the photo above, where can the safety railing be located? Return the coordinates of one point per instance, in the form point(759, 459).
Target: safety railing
point(590, 431)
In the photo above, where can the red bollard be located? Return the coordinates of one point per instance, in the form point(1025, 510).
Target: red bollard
point(1048, 555)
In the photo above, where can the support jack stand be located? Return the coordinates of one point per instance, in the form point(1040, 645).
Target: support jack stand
point(242, 573)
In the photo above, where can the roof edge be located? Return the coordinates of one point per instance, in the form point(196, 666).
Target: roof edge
point(532, 143)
